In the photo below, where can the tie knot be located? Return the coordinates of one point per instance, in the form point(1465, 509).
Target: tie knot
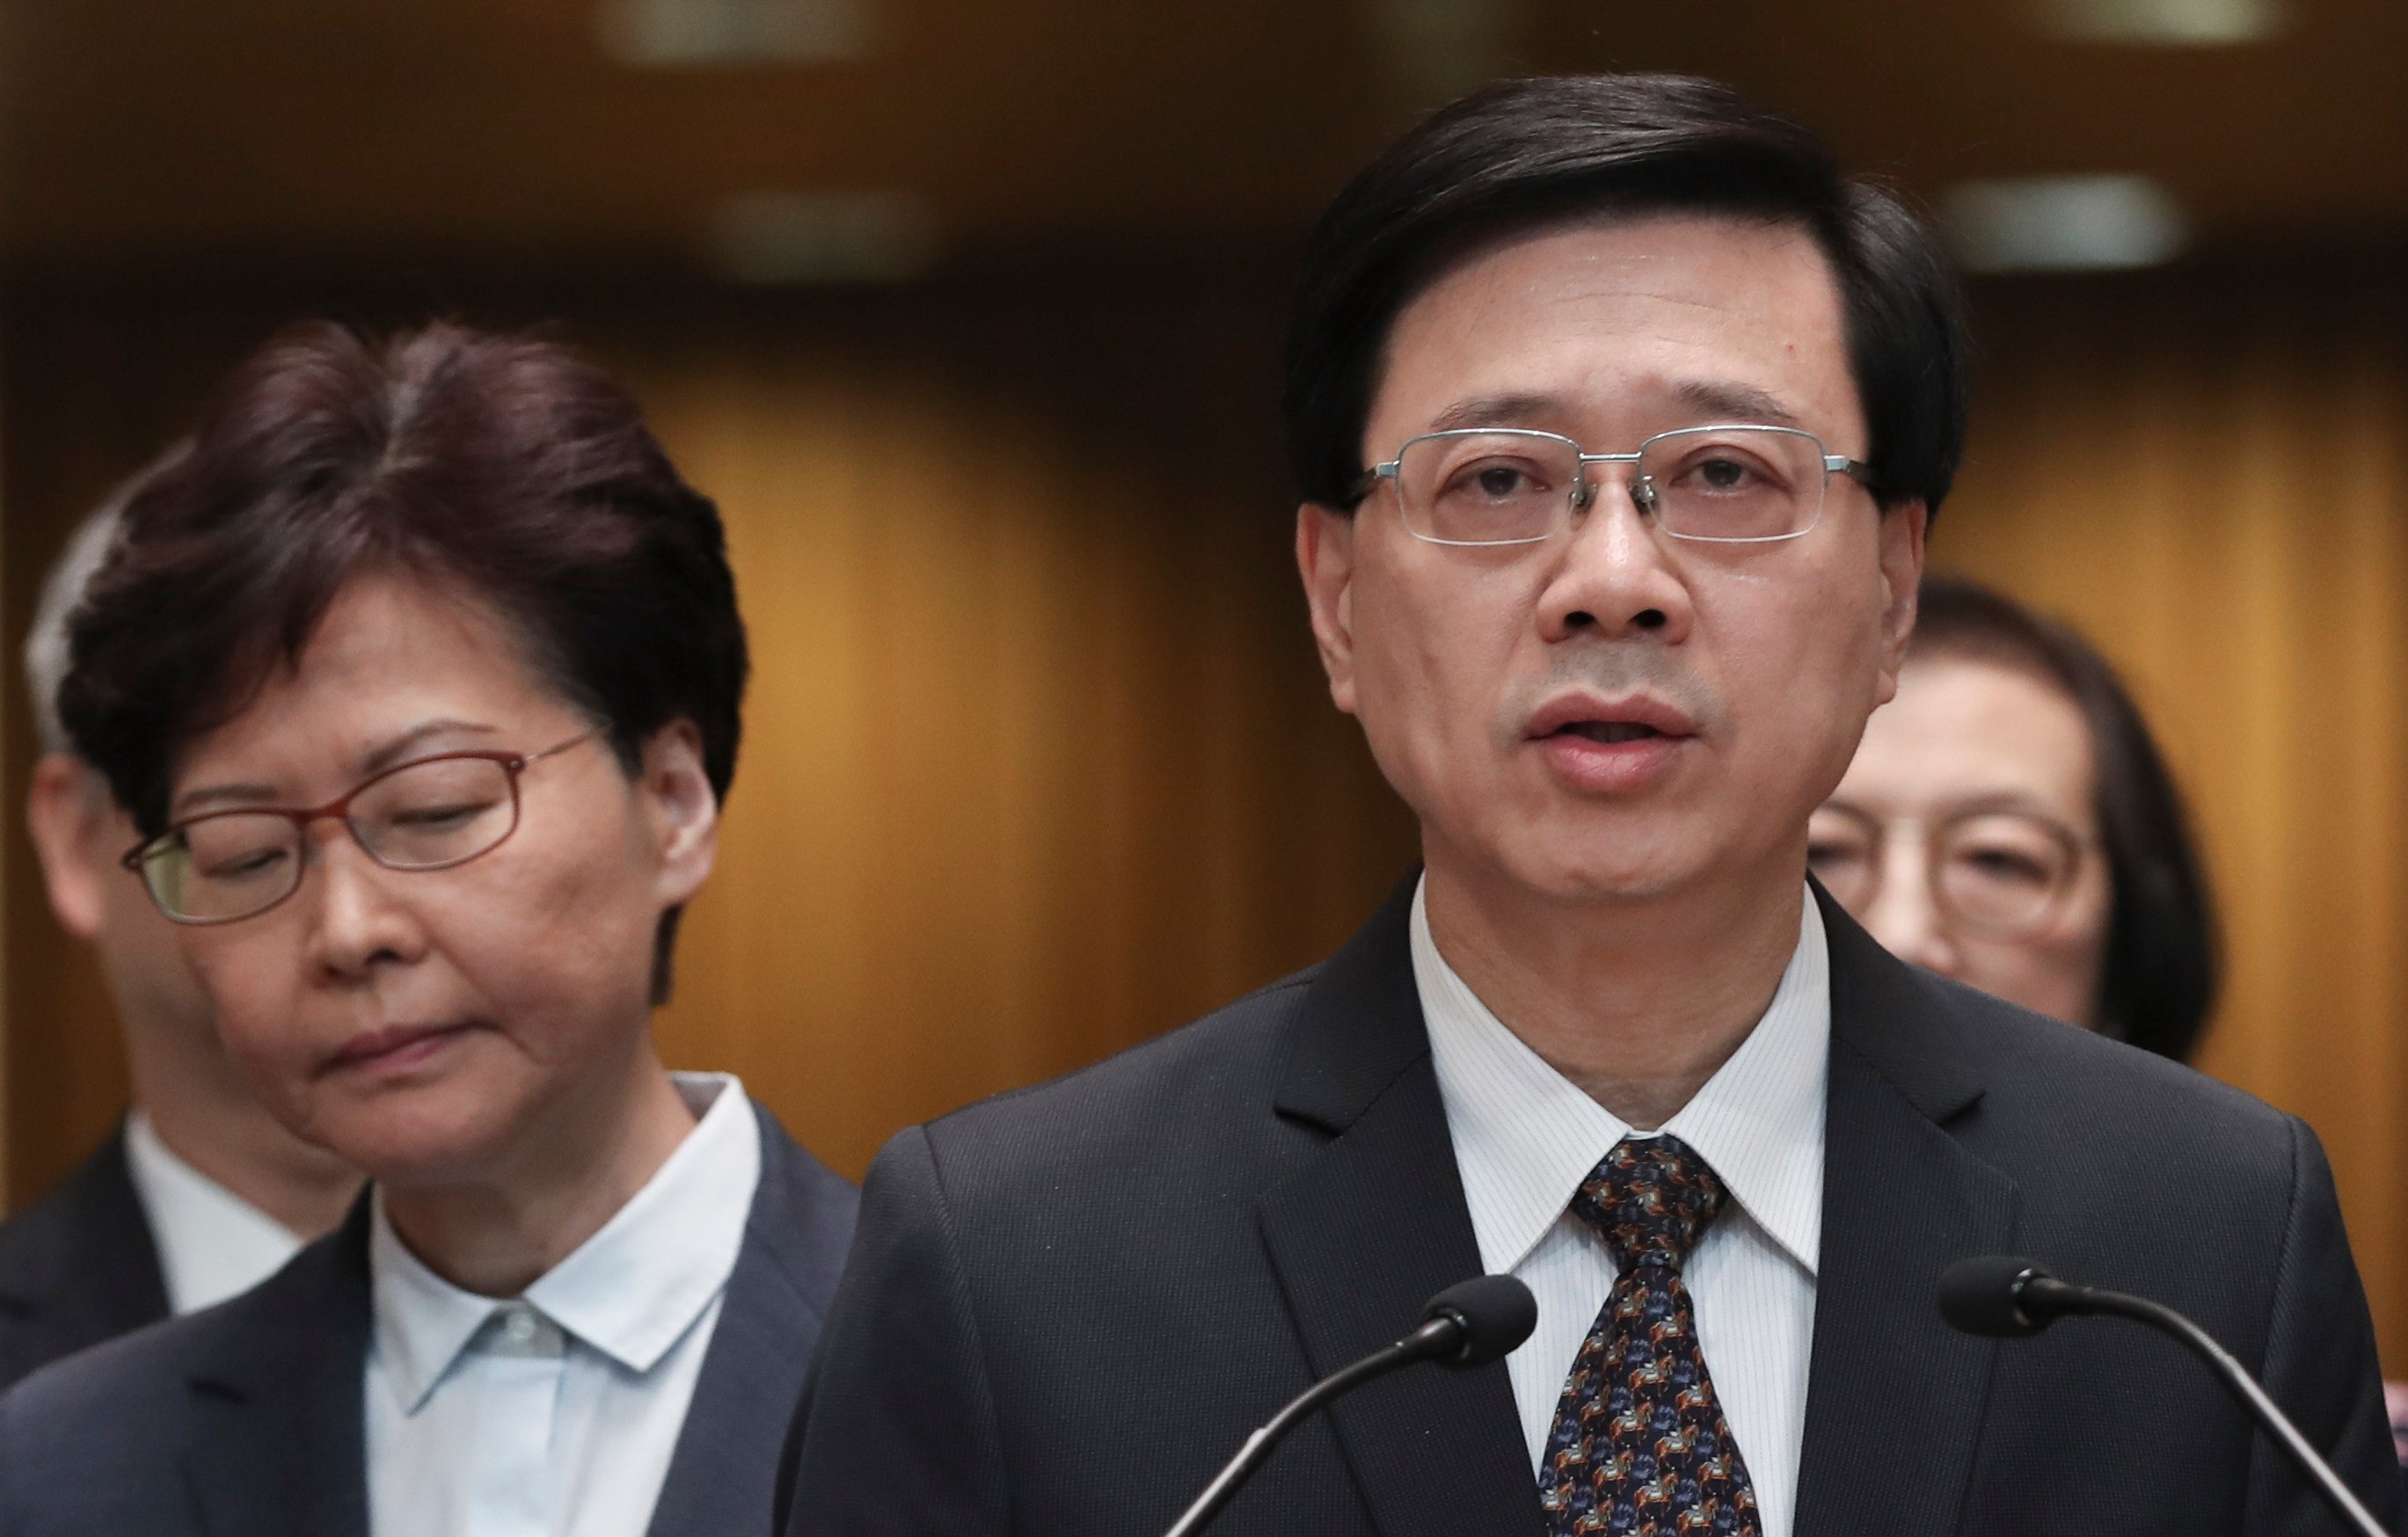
point(1651, 1198)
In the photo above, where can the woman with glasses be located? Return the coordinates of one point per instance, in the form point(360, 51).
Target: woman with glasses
point(2009, 822)
point(420, 678)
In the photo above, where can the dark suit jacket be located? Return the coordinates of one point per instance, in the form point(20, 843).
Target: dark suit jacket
point(246, 1419)
point(1068, 1306)
point(77, 1267)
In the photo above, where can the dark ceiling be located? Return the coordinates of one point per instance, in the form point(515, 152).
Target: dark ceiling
point(213, 134)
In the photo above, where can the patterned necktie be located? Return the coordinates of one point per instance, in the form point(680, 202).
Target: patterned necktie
point(1639, 1446)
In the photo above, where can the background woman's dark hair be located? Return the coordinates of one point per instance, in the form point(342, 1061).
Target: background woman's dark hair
point(505, 465)
point(2160, 979)
point(1527, 154)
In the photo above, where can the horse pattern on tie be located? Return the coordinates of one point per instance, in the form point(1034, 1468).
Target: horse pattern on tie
point(1638, 1447)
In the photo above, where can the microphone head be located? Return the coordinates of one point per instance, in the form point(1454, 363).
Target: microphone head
point(1984, 1295)
point(1496, 1314)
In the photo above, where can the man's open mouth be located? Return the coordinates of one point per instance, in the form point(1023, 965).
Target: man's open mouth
point(1606, 731)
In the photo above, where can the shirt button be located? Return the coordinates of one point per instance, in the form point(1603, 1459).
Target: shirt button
point(519, 1325)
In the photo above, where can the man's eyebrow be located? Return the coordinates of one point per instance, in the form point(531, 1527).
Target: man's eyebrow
point(1731, 402)
point(1720, 401)
point(1496, 411)
point(393, 750)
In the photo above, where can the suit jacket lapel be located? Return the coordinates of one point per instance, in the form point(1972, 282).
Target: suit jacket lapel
point(280, 1445)
point(1371, 1228)
point(1895, 1397)
point(721, 1476)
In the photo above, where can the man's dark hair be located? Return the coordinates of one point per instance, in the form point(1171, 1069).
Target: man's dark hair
point(504, 466)
point(2160, 979)
point(1530, 154)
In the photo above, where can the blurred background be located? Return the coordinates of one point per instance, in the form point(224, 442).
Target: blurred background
point(967, 312)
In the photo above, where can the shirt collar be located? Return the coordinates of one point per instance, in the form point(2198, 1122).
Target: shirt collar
point(212, 1244)
point(630, 1291)
point(1526, 1137)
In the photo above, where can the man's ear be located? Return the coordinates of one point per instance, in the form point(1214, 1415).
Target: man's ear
point(1902, 528)
point(66, 811)
point(684, 809)
point(1324, 555)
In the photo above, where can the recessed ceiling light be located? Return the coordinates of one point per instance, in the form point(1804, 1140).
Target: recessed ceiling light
point(2181, 23)
point(822, 237)
point(703, 34)
point(2064, 223)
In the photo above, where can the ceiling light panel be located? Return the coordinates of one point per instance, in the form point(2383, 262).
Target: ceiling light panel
point(2166, 23)
point(717, 33)
point(822, 237)
point(2064, 223)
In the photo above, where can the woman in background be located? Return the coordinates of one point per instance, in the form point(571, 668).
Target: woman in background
point(420, 675)
point(2009, 822)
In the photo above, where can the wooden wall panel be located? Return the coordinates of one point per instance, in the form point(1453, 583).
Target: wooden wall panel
point(1038, 760)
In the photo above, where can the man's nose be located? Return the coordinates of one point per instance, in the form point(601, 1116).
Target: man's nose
point(1613, 576)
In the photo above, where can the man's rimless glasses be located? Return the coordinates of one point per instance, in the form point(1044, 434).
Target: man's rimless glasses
point(1733, 484)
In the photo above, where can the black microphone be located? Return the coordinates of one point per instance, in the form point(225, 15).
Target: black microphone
point(1469, 1324)
point(2007, 1297)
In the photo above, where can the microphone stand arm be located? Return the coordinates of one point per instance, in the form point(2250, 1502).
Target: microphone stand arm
point(2063, 1297)
point(1438, 1337)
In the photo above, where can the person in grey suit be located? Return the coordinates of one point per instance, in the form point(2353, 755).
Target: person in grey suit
point(1620, 416)
point(421, 676)
point(199, 1193)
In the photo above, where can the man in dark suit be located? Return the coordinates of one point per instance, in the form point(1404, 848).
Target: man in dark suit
point(1620, 416)
point(200, 1194)
point(251, 1422)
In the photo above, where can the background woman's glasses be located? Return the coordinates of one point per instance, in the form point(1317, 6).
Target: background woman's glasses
point(2005, 874)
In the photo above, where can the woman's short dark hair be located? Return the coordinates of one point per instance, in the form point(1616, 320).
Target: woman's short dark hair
point(1530, 154)
point(2160, 978)
point(506, 465)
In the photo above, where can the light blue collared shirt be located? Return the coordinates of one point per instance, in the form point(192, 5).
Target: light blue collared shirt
point(555, 1414)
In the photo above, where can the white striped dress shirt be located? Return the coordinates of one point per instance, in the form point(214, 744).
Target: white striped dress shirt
point(1524, 1137)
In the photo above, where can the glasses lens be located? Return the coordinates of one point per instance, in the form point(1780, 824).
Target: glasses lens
point(1734, 483)
point(1841, 850)
point(2004, 872)
point(223, 867)
point(427, 815)
point(1486, 487)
